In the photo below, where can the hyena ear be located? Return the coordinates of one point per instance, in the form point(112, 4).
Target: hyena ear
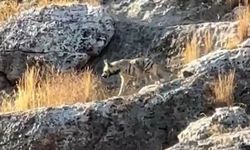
point(106, 62)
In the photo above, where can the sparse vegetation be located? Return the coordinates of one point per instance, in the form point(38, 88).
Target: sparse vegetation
point(242, 28)
point(243, 19)
point(224, 89)
point(56, 89)
point(191, 51)
point(232, 42)
point(8, 9)
point(41, 3)
point(208, 42)
point(12, 8)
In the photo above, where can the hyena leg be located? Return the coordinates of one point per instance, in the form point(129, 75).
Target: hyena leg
point(122, 86)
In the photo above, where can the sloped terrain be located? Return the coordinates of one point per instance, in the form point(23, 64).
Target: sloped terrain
point(155, 117)
point(65, 37)
point(147, 121)
point(227, 128)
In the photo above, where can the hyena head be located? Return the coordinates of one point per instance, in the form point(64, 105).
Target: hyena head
point(109, 69)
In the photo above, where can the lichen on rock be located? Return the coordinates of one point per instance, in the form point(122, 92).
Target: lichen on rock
point(227, 128)
point(66, 36)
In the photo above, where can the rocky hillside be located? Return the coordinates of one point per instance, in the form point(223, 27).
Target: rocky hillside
point(179, 113)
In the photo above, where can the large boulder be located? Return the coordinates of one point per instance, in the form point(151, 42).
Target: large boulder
point(62, 36)
point(228, 128)
point(150, 120)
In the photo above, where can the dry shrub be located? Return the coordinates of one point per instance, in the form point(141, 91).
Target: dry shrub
point(242, 28)
point(224, 89)
point(54, 89)
point(208, 42)
point(243, 19)
point(232, 42)
point(8, 9)
point(191, 51)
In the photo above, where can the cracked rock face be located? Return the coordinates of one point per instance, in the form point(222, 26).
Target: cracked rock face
point(149, 120)
point(65, 36)
point(160, 29)
point(228, 128)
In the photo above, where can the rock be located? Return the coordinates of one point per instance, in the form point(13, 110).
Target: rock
point(65, 36)
point(150, 120)
point(154, 117)
point(149, 88)
point(160, 29)
point(228, 128)
point(142, 27)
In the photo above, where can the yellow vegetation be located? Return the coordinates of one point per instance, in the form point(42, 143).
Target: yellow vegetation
point(12, 8)
point(8, 9)
point(41, 3)
point(232, 42)
point(65, 2)
point(208, 42)
point(243, 19)
point(56, 89)
point(242, 28)
point(224, 88)
point(191, 51)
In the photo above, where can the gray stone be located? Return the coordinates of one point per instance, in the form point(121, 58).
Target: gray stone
point(150, 120)
point(65, 36)
point(228, 128)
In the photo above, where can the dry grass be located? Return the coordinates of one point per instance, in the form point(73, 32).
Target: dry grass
point(224, 89)
point(208, 42)
point(232, 42)
point(12, 8)
point(55, 89)
point(242, 28)
point(243, 19)
point(42, 3)
point(191, 51)
point(8, 9)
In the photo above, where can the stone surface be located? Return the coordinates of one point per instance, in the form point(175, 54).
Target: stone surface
point(148, 28)
point(65, 36)
point(160, 30)
point(228, 128)
point(150, 120)
point(68, 36)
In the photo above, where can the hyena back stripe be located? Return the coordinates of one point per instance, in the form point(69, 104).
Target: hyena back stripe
point(148, 64)
point(130, 69)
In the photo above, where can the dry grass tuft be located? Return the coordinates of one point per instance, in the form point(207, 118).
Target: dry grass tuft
point(55, 89)
point(243, 19)
point(242, 28)
point(42, 3)
point(224, 89)
point(191, 51)
point(232, 42)
point(208, 42)
point(8, 9)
